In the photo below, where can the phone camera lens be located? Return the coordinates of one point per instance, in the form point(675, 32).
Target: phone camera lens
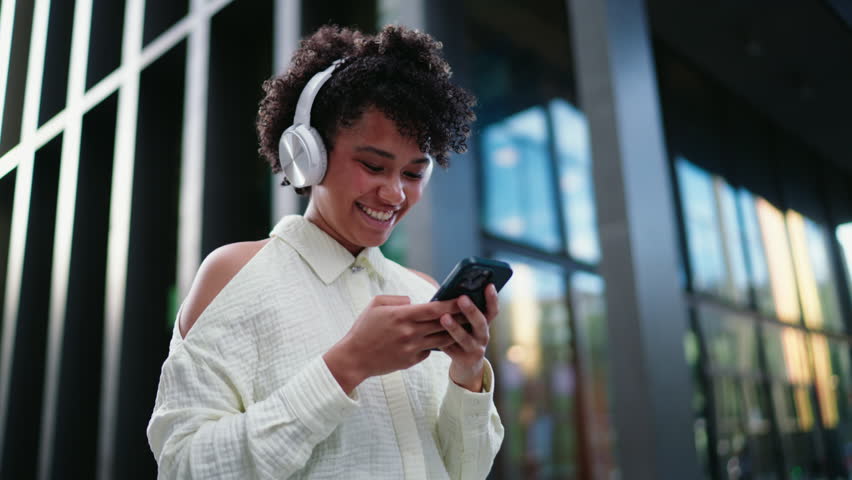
point(475, 279)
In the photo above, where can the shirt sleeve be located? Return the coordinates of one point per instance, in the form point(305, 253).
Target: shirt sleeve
point(200, 428)
point(469, 429)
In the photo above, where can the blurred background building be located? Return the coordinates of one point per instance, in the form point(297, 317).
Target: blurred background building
point(670, 180)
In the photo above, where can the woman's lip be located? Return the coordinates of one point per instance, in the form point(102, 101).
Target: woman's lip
point(373, 221)
point(378, 209)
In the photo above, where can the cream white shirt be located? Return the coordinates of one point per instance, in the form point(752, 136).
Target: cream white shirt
point(247, 394)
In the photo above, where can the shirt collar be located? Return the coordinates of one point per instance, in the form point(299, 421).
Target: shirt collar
point(326, 257)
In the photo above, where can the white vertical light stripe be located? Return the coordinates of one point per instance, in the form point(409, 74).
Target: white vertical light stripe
point(288, 30)
point(63, 234)
point(118, 241)
point(20, 212)
point(111, 82)
point(9, 161)
point(7, 23)
point(194, 142)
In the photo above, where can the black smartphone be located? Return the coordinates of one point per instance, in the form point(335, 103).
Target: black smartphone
point(470, 277)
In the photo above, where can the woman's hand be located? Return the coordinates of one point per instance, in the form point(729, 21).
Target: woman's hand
point(390, 334)
point(468, 351)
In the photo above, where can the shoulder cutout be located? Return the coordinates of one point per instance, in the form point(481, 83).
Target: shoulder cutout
point(214, 273)
point(424, 277)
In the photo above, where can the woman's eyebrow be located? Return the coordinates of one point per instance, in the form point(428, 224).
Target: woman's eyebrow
point(377, 151)
point(386, 154)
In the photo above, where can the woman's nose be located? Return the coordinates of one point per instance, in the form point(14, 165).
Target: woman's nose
point(392, 192)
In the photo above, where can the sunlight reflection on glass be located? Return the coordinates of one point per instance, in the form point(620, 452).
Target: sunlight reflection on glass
point(779, 261)
point(531, 351)
point(518, 180)
point(574, 161)
point(702, 228)
point(759, 273)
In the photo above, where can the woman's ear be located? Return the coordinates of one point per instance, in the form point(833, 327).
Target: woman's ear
point(427, 173)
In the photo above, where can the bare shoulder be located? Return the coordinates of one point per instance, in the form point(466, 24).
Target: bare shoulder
point(424, 276)
point(214, 273)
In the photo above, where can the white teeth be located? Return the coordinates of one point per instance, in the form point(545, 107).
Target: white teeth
point(380, 216)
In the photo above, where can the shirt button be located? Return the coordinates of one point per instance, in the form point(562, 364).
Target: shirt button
point(356, 268)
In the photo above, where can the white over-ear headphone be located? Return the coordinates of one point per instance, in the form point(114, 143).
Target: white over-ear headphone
point(300, 150)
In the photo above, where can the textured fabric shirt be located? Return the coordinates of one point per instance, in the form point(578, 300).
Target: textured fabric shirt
point(247, 394)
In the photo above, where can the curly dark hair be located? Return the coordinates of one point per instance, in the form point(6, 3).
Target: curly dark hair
point(398, 71)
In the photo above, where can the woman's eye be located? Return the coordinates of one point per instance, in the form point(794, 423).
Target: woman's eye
point(371, 167)
point(416, 176)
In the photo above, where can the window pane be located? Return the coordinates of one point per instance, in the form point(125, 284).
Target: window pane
point(743, 434)
point(813, 273)
point(786, 354)
point(736, 286)
point(758, 270)
point(575, 180)
point(531, 350)
point(587, 295)
point(518, 180)
point(791, 385)
point(779, 260)
point(844, 236)
point(840, 435)
point(824, 275)
point(730, 340)
point(700, 390)
point(702, 227)
point(713, 234)
point(826, 382)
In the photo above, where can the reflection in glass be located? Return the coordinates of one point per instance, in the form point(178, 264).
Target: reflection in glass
point(824, 275)
point(730, 340)
point(737, 281)
point(587, 295)
point(779, 261)
point(791, 383)
point(713, 233)
point(701, 221)
point(518, 184)
point(844, 236)
point(825, 383)
point(574, 161)
point(531, 349)
point(815, 281)
point(840, 435)
point(758, 271)
point(743, 433)
point(699, 402)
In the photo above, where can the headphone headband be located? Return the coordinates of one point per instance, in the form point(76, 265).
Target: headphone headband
point(309, 93)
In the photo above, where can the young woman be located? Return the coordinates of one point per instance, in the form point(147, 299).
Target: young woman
point(309, 354)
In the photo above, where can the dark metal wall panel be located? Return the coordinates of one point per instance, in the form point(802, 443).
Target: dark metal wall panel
point(79, 393)
point(23, 419)
point(16, 81)
point(105, 39)
point(236, 181)
point(160, 15)
point(57, 58)
point(7, 198)
point(152, 259)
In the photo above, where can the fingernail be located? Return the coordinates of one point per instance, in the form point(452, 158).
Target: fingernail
point(445, 321)
point(464, 302)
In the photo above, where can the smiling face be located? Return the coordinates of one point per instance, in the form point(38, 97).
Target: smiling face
point(375, 175)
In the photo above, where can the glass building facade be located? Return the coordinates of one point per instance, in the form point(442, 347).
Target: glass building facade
point(681, 305)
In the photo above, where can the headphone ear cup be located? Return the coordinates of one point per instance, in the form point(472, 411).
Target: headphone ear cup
point(302, 155)
point(319, 157)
